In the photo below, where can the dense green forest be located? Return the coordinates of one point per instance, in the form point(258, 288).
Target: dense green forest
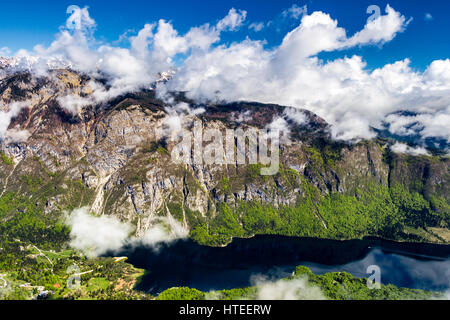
point(378, 211)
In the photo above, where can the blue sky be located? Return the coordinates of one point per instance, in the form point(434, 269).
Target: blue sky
point(24, 24)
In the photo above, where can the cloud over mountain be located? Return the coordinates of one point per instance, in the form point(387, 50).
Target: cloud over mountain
point(353, 99)
point(96, 236)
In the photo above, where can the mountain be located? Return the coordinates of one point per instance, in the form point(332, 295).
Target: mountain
point(115, 158)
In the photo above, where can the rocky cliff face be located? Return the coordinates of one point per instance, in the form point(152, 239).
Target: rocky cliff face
point(116, 157)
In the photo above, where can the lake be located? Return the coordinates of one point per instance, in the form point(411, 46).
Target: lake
point(186, 263)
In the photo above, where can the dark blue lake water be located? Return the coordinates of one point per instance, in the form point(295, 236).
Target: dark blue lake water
point(185, 263)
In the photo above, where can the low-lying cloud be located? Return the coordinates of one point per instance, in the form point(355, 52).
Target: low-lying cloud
point(405, 149)
point(96, 236)
point(6, 115)
point(287, 289)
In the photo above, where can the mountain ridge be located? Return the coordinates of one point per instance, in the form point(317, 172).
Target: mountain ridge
point(114, 158)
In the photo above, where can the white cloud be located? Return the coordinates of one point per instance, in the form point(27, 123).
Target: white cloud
point(426, 124)
point(318, 32)
point(256, 26)
point(163, 230)
point(79, 19)
point(11, 111)
point(428, 17)
point(342, 91)
point(151, 52)
point(98, 235)
point(233, 20)
point(294, 11)
point(176, 118)
point(405, 149)
point(380, 30)
point(298, 116)
point(293, 289)
point(5, 51)
point(140, 43)
point(73, 103)
point(278, 128)
point(202, 37)
point(16, 135)
point(167, 43)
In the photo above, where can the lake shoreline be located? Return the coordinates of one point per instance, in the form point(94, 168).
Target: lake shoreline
point(187, 263)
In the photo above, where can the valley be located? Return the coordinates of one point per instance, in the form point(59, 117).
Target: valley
point(114, 159)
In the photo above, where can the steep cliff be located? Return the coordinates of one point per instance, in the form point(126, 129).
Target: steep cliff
point(116, 159)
